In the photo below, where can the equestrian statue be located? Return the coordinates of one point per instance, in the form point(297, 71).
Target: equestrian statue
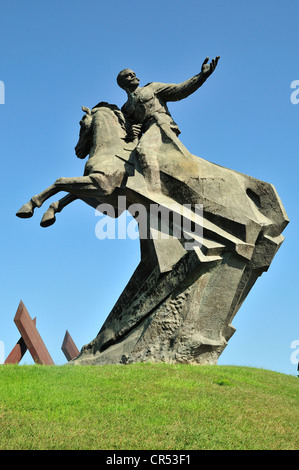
point(213, 233)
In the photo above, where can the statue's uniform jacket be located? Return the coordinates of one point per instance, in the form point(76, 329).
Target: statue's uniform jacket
point(144, 103)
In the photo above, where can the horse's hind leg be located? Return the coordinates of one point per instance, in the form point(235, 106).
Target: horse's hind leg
point(57, 206)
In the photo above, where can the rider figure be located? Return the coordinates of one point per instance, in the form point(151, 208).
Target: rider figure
point(146, 111)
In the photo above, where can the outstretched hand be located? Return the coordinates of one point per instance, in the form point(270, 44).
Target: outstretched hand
point(208, 69)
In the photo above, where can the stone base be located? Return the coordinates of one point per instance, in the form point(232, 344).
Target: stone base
point(183, 317)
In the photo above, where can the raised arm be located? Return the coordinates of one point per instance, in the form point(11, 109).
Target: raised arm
point(179, 91)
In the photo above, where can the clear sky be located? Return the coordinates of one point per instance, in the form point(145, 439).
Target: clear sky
point(59, 55)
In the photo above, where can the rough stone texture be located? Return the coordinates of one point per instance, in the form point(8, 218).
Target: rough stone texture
point(179, 304)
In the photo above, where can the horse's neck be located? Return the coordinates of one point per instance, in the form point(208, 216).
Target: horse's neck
point(107, 132)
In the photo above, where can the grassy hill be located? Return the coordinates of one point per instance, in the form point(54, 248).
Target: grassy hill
point(147, 407)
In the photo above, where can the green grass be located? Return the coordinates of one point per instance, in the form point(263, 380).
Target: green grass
point(147, 407)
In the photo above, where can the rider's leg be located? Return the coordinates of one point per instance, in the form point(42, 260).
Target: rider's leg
point(147, 151)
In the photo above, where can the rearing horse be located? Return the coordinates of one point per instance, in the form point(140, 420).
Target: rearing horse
point(103, 137)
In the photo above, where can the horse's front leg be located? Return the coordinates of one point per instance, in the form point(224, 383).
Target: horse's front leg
point(57, 206)
point(61, 184)
point(27, 209)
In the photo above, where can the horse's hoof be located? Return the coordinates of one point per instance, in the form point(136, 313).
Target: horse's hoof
point(48, 219)
point(26, 211)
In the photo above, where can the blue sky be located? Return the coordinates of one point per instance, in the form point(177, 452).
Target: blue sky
point(57, 56)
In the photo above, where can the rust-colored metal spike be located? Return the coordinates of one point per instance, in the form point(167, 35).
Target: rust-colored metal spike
point(31, 336)
point(69, 348)
point(17, 353)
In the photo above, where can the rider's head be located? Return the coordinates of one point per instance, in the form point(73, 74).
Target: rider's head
point(127, 80)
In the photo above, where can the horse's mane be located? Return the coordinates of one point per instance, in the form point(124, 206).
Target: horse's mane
point(115, 109)
point(104, 104)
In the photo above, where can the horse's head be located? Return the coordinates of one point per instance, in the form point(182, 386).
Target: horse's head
point(82, 148)
point(109, 119)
